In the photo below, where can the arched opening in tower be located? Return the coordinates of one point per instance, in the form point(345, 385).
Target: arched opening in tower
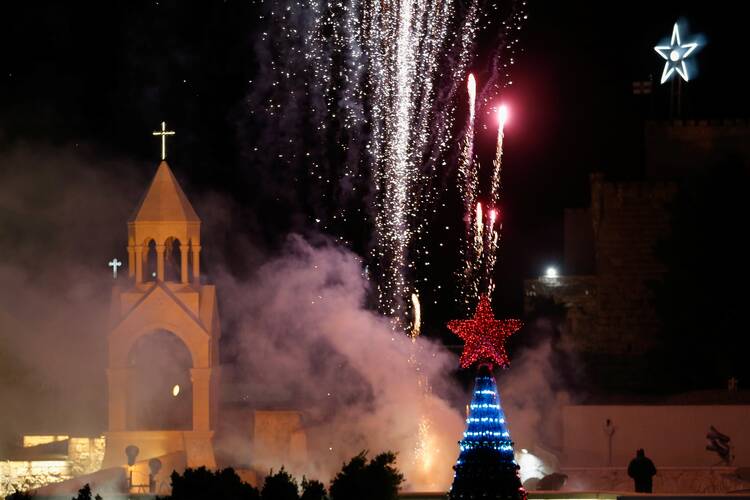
point(161, 393)
point(172, 260)
point(149, 267)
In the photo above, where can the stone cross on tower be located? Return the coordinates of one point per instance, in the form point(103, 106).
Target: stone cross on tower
point(114, 264)
point(163, 133)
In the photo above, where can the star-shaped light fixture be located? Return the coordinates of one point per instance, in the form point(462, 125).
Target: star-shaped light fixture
point(675, 54)
point(484, 336)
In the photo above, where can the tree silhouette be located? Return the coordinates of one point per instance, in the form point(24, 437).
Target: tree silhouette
point(19, 495)
point(85, 493)
point(201, 483)
point(280, 486)
point(359, 480)
point(313, 490)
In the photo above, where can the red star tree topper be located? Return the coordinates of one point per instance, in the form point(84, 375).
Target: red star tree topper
point(484, 336)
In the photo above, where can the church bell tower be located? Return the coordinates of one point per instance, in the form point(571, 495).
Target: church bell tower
point(163, 347)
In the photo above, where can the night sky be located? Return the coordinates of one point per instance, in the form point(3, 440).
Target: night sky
point(100, 76)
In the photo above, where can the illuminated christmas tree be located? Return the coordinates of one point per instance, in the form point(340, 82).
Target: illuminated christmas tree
point(485, 468)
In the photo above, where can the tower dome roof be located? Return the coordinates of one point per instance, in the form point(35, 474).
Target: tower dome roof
point(164, 200)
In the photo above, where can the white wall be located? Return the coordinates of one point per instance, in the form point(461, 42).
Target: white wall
point(671, 435)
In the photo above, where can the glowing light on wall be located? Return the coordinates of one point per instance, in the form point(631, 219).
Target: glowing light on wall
point(675, 54)
point(176, 390)
point(551, 272)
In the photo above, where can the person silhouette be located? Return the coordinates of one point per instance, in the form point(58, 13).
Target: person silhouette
point(642, 470)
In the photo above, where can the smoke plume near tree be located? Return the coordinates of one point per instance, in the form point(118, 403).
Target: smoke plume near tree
point(296, 328)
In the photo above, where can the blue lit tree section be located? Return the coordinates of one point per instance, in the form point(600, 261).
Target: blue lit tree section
point(485, 468)
point(485, 426)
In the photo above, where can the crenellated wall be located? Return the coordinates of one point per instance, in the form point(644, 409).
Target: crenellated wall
point(675, 148)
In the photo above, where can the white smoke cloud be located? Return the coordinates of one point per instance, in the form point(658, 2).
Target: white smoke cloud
point(306, 336)
point(532, 401)
point(62, 216)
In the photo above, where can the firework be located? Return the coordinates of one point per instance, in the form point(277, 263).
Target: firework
point(479, 232)
point(490, 254)
point(471, 87)
point(423, 452)
point(502, 115)
point(361, 97)
point(483, 231)
point(468, 183)
point(397, 53)
point(405, 47)
point(416, 327)
point(493, 234)
point(467, 170)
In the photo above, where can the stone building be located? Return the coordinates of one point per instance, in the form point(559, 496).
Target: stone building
point(610, 264)
point(610, 303)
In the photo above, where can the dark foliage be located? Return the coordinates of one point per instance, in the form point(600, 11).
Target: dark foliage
point(313, 490)
point(359, 480)
point(280, 486)
point(85, 493)
point(486, 475)
point(19, 495)
point(201, 483)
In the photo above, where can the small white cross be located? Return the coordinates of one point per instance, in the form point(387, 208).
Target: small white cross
point(163, 133)
point(114, 264)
